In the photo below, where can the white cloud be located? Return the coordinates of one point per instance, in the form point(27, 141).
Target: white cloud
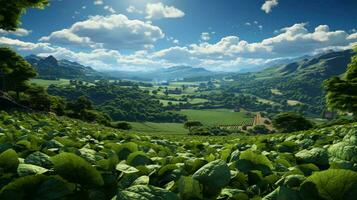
point(248, 24)
point(21, 32)
point(98, 2)
point(110, 9)
point(133, 9)
point(205, 36)
point(159, 11)
point(268, 5)
point(229, 54)
point(111, 32)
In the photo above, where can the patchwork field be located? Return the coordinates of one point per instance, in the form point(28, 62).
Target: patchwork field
point(214, 117)
point(46, 83)
point(158, 128)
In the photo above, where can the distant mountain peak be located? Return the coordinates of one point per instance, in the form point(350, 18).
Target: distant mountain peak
point(51, 60)
point(50, 67)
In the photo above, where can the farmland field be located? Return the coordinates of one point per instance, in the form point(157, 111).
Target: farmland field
point(46, 83)
point(158, 128)
point(213, 117)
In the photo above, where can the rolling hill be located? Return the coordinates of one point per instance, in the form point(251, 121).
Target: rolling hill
point(320, 66)
point(298, 81)
point(165, 74)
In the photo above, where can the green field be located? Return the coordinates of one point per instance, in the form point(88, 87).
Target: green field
point(213, 117)
point(158, 128)
point(46, 83)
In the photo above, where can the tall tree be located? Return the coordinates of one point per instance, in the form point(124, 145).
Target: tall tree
point(15, 71)
point(342, 92)
point(11, 11)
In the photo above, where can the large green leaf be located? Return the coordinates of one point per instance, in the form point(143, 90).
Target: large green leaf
point(213, 176)
point(334, 184)
point(39, 159)
point(122, 167)
point(190, 188)
point(28, 169)
point(145, 192)
point(75, 169)
point(9, 160)
point(36, 187)
point(138, 158)
point(317, 156)
point(283, 193)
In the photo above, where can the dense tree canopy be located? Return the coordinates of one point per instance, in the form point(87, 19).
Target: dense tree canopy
point(14, 71)
point(342, 92)
point(291, 122)
point(11, 11)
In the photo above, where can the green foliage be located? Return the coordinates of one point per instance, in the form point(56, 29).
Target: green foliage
point(138, 158)
point(291, 122)
point(213, 176)
point(191, 124)
point(75, 169)
point(342, 92)
point(14, 69)
point(120, 103)
point(190, 188)
point(39, 159)
point(114, 164)
point(260, 129)
point(9, 161)
point(317, 156)
point(28, 169)
point(333, 184)
point(122, 125)
point(122, 167)
point(11, 11)
point(144, 192)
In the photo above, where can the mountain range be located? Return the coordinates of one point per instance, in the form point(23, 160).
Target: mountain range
point(321, 66)
point(51, 68)
point(165, 74)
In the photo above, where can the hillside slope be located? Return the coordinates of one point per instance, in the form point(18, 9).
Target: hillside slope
point(51, 68)
point(166, 74)
point(299, 81)
point(52, 156)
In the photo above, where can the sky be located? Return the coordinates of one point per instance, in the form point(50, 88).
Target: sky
point(219, 35)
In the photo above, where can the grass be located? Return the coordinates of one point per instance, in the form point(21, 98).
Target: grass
point(46, 83)
point(197, 101)
point(214, 117)
point(158, 128)
point(276, 92)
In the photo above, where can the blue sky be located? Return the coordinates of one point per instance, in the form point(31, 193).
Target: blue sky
point(225, 35)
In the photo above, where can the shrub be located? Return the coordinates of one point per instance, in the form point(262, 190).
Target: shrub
point(291, 122)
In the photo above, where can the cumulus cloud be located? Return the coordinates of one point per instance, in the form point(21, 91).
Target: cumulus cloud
point(230, 53)
point(110, 32)
point(159, 11)
point(205, 36)
point(110, 9)
point(133, 9)
point(268, 5)
point(21, 32)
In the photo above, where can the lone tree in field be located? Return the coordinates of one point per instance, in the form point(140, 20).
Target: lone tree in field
point(191, 124)
point(11, 11)
point(15, 71)
point(291, 122)
point(342, 92)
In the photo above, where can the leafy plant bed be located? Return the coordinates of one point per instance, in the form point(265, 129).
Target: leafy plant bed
point(49, 157)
